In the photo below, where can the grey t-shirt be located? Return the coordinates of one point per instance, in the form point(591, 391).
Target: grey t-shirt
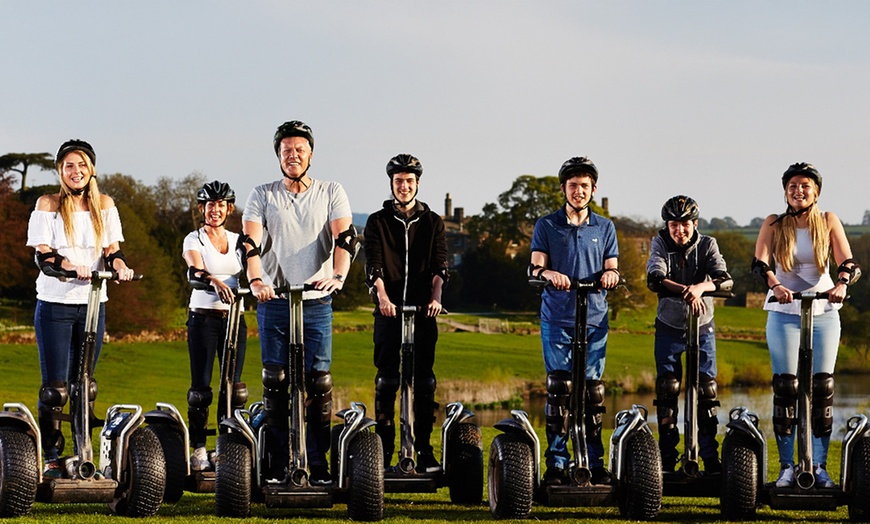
point(297, 239)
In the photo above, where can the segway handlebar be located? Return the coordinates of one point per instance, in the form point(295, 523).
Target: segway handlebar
point(719, 293)
point(414, 309)
point(202, 286)
point(589, 285)
point(288, 288)
point(95, 275)
point(802, 296)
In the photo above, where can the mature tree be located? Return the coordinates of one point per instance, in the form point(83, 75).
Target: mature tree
point(20, 162)
point(718, 223)
point(17, 272)
point(738, 251)
point(513, 218)
point(633, 252)
point(756, 223)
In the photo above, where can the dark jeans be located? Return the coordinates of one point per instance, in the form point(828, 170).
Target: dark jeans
point(205, 342)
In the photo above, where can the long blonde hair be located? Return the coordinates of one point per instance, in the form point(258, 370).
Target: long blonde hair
point(784, 237)
point(66, 207)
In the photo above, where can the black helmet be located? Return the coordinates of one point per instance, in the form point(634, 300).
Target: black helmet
point(75, 145)
point(803, 169)
point(404, 163)
point(293, 128)
point(213, 191)
point(576, 166)
point(680, 208)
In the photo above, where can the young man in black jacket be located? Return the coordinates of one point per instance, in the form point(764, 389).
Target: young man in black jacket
point(406, 264)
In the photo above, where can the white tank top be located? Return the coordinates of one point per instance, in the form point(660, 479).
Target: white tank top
point(804, 277)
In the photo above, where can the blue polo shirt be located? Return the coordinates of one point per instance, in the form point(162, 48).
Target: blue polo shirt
point(579, 252)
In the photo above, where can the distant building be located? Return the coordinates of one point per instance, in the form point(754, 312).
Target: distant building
point(458, 241)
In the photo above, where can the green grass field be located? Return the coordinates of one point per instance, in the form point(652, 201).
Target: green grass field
point(467, 364)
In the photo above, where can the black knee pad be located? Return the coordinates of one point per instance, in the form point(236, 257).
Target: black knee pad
point(666, 401)
point(199, 397)
point(275, 395)
point(275, 377)
point(319, 387)
point(54, 395)
point(708, 393)
point(594, 406)
point(559, 388)
point(385, 397)
point(823, 404)
point(240, 395)
point(785, 389)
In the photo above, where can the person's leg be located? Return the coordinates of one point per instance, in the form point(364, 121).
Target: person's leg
point(668, 347)
point(201, 346)
point(556, 342)
point(318, 359)
point(826, 341)
point(425, 407)
point(708, 401)
point(594, 403)
point(783, 340)
point(53, 324)
point(387, 342)
point(273, 325)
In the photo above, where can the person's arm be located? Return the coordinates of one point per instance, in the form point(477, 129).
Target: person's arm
point(254, 233)
point(842, 252)
point(196, 269)
point(438, 266)
point(112, 255)
point(539, 263)
point(340, 258)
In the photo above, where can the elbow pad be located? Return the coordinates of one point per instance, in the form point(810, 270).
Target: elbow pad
point(723, 282)
point(372, 274)
point(535, 271)
point(349, 241)
point(760, 269)
point(854, 270)
point(654, 282)
point(198, 278)
point(49, 263)
point(444, 273)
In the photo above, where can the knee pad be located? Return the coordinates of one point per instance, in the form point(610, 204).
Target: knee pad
point(385, 397)
point(319, 387)
point(785, 388)
point(707, 404)
point(425, 386)
point(594, 406)
point(240, 394)
point(199, 398)
point(54, 395)
point(559, 388)
point(667, 395)
point(823, 404)
point(424, 399)
point(275, 377)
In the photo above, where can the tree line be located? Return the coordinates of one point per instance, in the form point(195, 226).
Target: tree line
point(492, 275)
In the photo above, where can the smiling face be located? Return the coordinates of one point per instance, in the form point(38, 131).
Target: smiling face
point(405, 187)
point(801, 192)
point(578, 190)
point(295, 155)
point(76, 171)
point(682, 231)
point(215, 212)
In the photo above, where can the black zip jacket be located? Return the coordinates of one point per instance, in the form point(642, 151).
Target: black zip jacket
point(405, 252)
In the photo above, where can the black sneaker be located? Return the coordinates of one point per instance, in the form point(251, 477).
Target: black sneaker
point(600, 476)
point(712, 466)
point(320, 475)
point(555, 477)
point(426, 463)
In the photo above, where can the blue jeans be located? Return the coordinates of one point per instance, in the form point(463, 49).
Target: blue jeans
point(670, 344)
point(60, 336)
point(274, 326)
point(557, 350)
point(783, 341)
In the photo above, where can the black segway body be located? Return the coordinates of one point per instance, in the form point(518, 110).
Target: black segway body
point(131, 475)
point(688, 480)
point(242, 456)
point(744, 452)
point(515, 456)
point(461, 441)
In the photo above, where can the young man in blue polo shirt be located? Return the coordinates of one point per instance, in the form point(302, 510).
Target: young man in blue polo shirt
point(574, 243)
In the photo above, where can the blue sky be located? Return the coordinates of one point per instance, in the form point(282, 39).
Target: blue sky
point(710, 99)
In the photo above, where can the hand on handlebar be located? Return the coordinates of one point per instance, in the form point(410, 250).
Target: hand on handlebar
point(330, 285)
point(609, 279)
point(224, 292)
point(262, 291)
point(558, 280)
point(434, 308)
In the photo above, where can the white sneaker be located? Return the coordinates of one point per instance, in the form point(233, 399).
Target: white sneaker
point(823, 480)
point(199, 460)
point(786, 477)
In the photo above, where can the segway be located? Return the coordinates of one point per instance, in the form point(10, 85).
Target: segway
point(688, 480)
point(242, 457)
point(168, 423)
point(461, 442)
point(131, 475)
point(744, 452)
point(635, 463)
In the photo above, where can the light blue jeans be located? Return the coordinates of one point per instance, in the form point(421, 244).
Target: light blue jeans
point(557, 350)
point(783, 342)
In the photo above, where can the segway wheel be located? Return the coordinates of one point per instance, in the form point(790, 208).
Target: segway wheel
point(176, 462)
point(465, 464)
point(146, 476)
point(20, 473)
point(365, 499)
point(232, 479)
point(859, 495)
point(511, 477)
point(640, 488)
point(739, 477)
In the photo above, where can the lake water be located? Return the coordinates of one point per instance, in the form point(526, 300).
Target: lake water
point(851, 397)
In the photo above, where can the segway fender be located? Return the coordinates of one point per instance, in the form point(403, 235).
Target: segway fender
point(857, 428)
point(17, 415)
point(627, 422)
point(121, 421)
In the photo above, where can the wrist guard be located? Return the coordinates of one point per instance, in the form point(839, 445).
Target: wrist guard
point(854, 270)
point(109, 259)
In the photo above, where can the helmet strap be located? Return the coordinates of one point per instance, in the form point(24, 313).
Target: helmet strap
point(577, 210)
point(791, 212)
point(404, 207)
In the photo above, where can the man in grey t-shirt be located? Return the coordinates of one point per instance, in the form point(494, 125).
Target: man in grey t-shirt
point(291, 230)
